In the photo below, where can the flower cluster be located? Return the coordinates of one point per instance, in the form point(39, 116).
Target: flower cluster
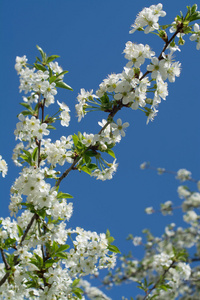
point(38, 234)
point(37, 262)
point(148, 18)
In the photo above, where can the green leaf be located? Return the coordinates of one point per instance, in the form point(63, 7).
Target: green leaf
point(51, 127)
point(37, 261)
point(195, 16)
point(92, 167)
point(63, 85)
point(194, 8)
point(42, 213)
point(87, 159)
point(26, 105)
point(50, 73)
point(78, 292)
point(113, 248)
point(91, 153)
point(26, 113)
point(62, 73)
point(38, 59)
point(107, 233)
point(80, 136)
point(51, 58)
point(40, 67)
point(110, 152)
point(75, 282)
point(75, 139)
point(8, 242)
point(49, 263)
point(55, 247)
point(28, 154)
point(163, 287)
point(41, 52)
point(86, 170)
point(64, 195)
point(63, 255)
point(110, 239)
point(25, 158)
point(20, 231)
point(52, 79)
point(63, 248)
point(10, 259)
point(34, 154)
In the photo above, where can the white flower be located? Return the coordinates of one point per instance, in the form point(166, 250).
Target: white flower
point(149, 210)
point(183, 192)
point(137, 240)
point(119, 127)
point(123, 91)
point(195, 199)
point(183, 175)
point(144, 165)
point(3, 167)
point(56, 68)
point(190, 217)
point(184, 270)
point(174, 71)
point(88, 139)
point(157, 68)
point(196, 36)
point(161, 89)
point(151, 115)
point(149, 17)
point(40, 131)
point(162, 259)
point(65, 117)
point(136, 54)
point(20, 63)
point(106, 173)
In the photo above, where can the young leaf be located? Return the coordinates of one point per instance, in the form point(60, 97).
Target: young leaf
point(75, 139)
point(62, 73)
point(52, 79)
point(41, 52)
point(26, 113)
point(34, 153)
point(113, 248)
point(51, 127)
point(51, 58)
point(75, 282)
point(110, 152)
point(63, 85)
point(64, 195)
point(63, 255)
point(63, 248)
point(86, 170)
point(40, 67)
point(49, 263)
point(26, 105)
point(20, 231)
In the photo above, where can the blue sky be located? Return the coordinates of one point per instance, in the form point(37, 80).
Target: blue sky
point(90, 36)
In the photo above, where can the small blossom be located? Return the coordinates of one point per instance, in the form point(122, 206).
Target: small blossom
point(137, 240)
point(183, 175)
point(119, 127)
point(65, 116)
point(3, 167)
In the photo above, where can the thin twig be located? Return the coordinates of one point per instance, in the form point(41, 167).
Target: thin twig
point(5, 260)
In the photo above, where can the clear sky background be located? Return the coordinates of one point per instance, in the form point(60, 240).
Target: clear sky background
point(90, 36)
